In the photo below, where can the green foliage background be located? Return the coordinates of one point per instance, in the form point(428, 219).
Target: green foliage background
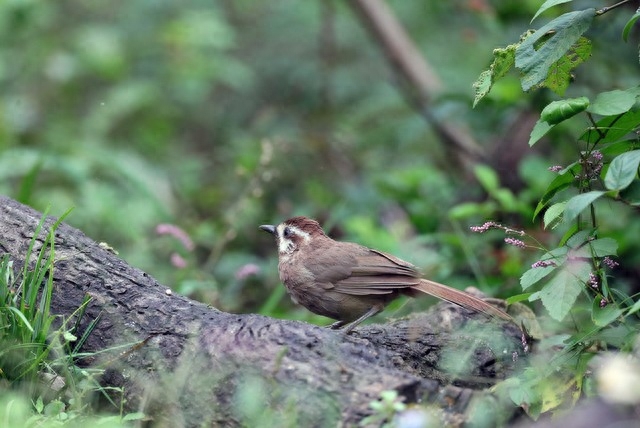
point(218, 116)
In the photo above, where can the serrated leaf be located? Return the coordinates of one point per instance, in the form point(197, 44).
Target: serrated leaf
point(539, 130)
point(558, 184)
point(622, 170)
point(560, 72)
point(546, 5)
point(612, 103)
point(630, 23)
point(561, 110)
point(579, 203)
point(534, 61)
point(482, 86)
point(561, 292)
point(503, 60)
point(553, 214)
point(534, 275)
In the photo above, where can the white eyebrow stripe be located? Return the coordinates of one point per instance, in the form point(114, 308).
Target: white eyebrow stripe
point(285, 245)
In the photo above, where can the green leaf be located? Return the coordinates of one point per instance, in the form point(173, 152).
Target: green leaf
point(39, 404)
point(614, 128)
point(534, 61)
point(622, 171)
point(534, 275)
point(539, 130)
point(604, 247)
point(503, 60)
point(466, 210)
point(69, 337)
point(518, 298)
point(612, 103)
point(561, 292)
point(635, 308)
point(554, 214)
point(482, 86)
point(558, 184)
point(546, 5)
point(521, 392)
point(579, 203)
point(487, 177)
point(560, 72)
point(604, 316)
point(630, 23)
point(578, 239)
point(559, 111)
point(136, 416)
point(506, 199)
point(17, 312)
point(596, 248)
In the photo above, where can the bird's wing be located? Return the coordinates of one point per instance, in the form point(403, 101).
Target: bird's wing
point(357, 270)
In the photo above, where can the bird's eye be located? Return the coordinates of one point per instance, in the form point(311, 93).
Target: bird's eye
point(287, 232)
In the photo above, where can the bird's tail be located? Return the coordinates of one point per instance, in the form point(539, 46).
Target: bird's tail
point(460, 298)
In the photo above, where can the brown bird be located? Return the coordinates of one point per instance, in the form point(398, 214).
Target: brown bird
point(349, 282)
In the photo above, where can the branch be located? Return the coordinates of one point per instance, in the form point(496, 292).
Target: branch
point(421, 81)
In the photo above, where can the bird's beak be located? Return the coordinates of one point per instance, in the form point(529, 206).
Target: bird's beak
point(268, 228)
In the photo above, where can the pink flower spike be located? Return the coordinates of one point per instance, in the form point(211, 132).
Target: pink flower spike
point(515, 242)
point(481, 229)
point(176, 232)
point(543, 263)
point(594, 280)
point(247, 270)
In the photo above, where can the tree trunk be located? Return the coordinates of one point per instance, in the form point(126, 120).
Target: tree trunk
point(188, 364)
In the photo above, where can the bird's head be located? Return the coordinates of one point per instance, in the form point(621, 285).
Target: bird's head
point(294, 233)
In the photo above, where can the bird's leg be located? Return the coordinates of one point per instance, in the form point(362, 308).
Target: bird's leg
point(371, 312)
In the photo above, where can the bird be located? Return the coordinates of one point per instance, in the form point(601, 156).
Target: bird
point(349, 282)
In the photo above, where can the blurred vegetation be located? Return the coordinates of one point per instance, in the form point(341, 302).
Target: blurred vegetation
point(218, 116)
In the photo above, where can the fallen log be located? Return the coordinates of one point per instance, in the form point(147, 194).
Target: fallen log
point(188, 364)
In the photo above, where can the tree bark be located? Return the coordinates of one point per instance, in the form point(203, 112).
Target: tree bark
point(188, 364)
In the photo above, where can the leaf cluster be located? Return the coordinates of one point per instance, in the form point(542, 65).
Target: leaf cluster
point(578, 270)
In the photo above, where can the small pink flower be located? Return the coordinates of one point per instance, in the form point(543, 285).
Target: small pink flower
point(603, 302)
point(556, 168)
point(610, 262)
